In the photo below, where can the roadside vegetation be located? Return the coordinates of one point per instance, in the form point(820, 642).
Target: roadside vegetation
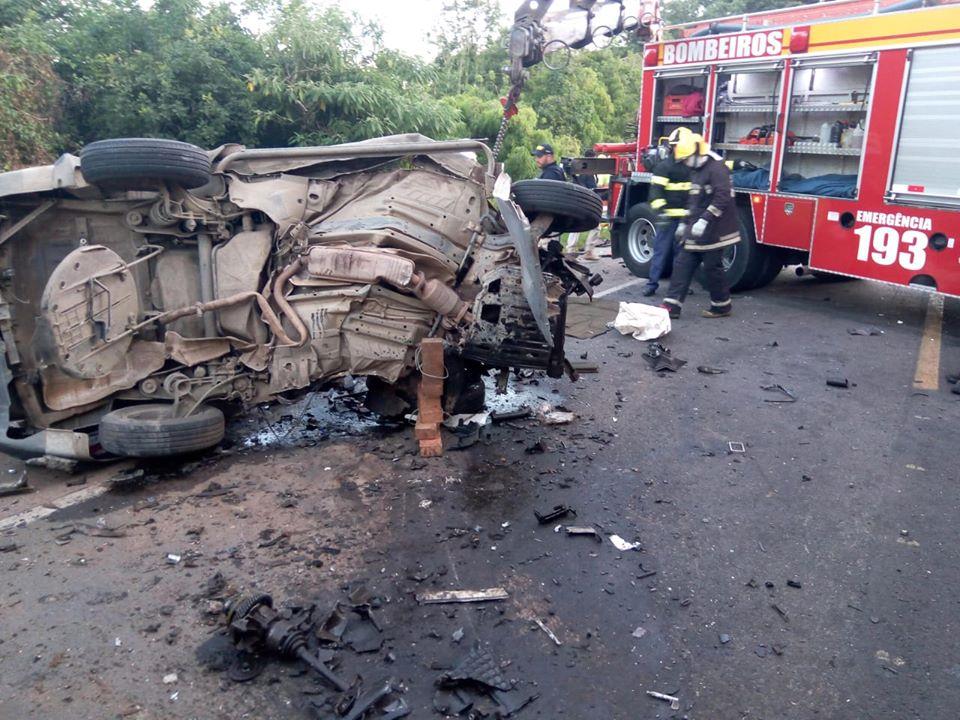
point(289, 72)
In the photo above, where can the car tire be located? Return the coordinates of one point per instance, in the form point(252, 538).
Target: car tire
point(152, 431)
point(138, 163)
point(574, 207)
point(636, 240)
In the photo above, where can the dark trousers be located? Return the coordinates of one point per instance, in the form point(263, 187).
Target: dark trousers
point(664, 246)
point(686, 265)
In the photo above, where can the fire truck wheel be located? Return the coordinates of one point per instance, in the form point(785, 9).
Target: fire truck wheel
point(747, 264)
point(636, 240)
point(574, 207)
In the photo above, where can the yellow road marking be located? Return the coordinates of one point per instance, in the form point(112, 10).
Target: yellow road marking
point(927, 376)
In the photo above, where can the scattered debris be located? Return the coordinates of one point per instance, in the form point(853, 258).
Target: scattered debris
point(457, 635)
point(558, 417)
point(736, 447)
point(18, 486)
point(794, 584)
point(789, 397)
point(865, 330)
point(518, 414)
point(255, 626)
point(173, 558)
point(707, 370)
point(639, 632)
point(6, 547)
point(673, 700)
point(659, 358)
point(622, 545)
point(838, 382)
point(584, 530)
point(367, 702)
point(559, 511)
point(781, 612)
point(468, 429)
point(462, 596)
point(548, 631)
point(477, 686)
point(724, 638)
point(170, 678)
point(58, 464)
point(584, 367)
point(643, 322)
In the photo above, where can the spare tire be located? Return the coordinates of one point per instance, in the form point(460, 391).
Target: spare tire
point(153, 431)
point(138, 163)
point(574, 207)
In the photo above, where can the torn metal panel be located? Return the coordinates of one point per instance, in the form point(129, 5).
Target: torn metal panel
point(462, 596)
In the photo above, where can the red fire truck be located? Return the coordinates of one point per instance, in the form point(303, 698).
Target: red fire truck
point(848, 130)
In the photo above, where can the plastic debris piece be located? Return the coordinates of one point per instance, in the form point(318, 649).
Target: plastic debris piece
point(736, 447)
point(639, 632)
point(622, 545)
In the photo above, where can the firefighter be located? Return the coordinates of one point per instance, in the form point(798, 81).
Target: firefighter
point(669, 192)
point(549, 170)
point(711, 225)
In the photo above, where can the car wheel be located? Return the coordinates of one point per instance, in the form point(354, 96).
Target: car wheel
point(636, 240)
point(574, 207)
point(137, 163)
point(153, 431)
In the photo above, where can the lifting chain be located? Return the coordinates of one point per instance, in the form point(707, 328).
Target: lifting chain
point(509, 110)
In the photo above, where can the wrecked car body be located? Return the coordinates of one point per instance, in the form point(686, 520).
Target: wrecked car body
point(147, 283)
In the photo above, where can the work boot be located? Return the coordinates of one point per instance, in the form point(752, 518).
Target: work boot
point(715, 312)
point(673, 310)
point(649, 290)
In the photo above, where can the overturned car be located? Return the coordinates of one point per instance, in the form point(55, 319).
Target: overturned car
point(147, 285)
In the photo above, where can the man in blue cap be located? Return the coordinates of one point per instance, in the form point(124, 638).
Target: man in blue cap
point(549, 170)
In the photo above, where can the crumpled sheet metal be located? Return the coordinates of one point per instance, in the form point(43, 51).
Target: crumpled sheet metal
point(644, 322)
point(455, 163)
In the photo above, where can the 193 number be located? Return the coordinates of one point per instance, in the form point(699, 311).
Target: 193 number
point(886, 246)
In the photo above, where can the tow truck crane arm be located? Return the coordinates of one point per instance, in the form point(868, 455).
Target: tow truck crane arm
point(536, 29)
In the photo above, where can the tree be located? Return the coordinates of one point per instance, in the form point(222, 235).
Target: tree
point(176, 70)
point(466, 30)
point(681, 11)
point(328, 79)
point(29, 99)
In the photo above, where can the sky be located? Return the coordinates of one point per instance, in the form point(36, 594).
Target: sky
point(407, 22)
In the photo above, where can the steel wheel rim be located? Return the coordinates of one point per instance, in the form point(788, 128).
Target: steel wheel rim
point(640, 240)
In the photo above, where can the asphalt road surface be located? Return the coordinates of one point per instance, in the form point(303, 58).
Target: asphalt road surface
point(109, 606)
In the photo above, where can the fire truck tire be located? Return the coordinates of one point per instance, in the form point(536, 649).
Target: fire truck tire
point(574, 207)
point(635, 240)
point(748, 265)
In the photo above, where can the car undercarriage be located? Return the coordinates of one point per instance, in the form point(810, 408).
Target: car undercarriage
point(152, 274)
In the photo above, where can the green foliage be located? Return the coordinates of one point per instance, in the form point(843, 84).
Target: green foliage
point(323, 83)
point(681, 11)
point(176, 70)
point(75, 71)
point(29, 99)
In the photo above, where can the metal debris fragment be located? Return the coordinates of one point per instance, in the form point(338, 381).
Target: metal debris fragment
point(559, 511)
point(838, 381)
point(736, 447)
point(583, 530)
point(707, 370)
point(462, 596)
point(548, 631)
point(789, 397)
point(673, 700)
